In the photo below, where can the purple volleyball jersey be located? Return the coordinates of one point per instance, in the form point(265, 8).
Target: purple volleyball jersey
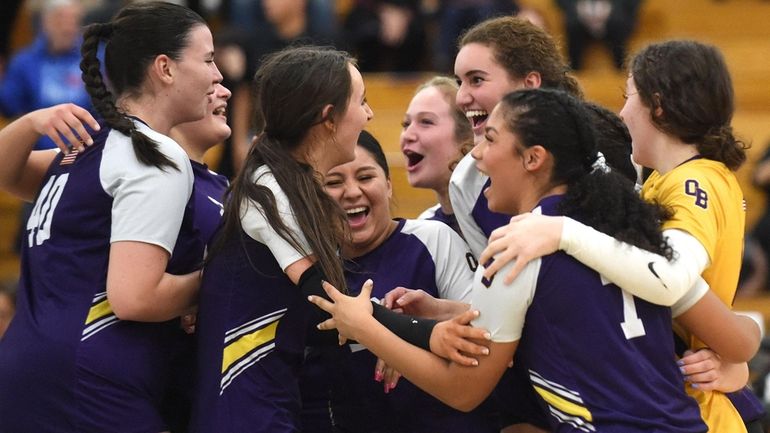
point(251, 328)
point(201, 220)
point(600, 359)
point(67, 363)
point(419, 254)
point(435, 213)
point(747, 404)
point(466, 191)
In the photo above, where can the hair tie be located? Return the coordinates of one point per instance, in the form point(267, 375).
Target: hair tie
point(600, 164)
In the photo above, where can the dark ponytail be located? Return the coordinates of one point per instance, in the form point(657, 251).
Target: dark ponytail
point(521, 47)
point(135, 36)
point(690, 83)
point(293, 86)
point(596, 196)
point(720, 144)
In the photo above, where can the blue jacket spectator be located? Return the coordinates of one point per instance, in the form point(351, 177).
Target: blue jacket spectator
point(47, 72)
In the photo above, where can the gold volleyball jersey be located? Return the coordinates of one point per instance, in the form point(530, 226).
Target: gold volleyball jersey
point(707, 202)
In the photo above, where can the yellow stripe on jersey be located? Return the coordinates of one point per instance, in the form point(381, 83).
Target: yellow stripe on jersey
point(98, 310)
point(563, 404)
point(246, 343)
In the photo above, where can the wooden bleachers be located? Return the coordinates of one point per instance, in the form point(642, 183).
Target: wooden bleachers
point(737, 27)
point(9, 211)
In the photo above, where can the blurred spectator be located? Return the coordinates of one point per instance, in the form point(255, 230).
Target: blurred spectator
point(609, 21)
point(230, 55)
point(238, 54)
point(757, 248)
point(9, 9)
point(288, 22)
point(456, 16)
point(103, 10)
point(386, 35)
point(245, 14)
point(7, 305)
point(47, 72)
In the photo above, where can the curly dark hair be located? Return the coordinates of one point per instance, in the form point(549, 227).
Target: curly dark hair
point(690, 84)
point(612, 139)
point(606, 201)
point(521, 47)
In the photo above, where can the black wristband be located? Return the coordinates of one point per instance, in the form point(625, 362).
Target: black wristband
point(310, 282)
point(413, 330)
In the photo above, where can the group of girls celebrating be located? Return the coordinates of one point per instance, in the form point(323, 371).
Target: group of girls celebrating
point(127, 217)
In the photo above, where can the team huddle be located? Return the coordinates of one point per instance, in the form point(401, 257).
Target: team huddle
point(546, 291)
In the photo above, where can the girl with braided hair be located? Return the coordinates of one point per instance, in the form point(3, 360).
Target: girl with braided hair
point(540, 154)
point(88, 350)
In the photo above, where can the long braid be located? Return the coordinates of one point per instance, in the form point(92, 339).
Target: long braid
point(103, 100)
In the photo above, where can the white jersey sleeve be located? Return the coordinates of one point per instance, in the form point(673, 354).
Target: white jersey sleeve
point(690, 298)
point(465, 185)
point(503, 307)
point(258, 228)
point(454, 269)
point(148, 203)
point(644, 274)
point(429, 212)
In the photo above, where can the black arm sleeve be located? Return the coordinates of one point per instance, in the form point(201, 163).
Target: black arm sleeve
point(413, 330)
point(310, 284)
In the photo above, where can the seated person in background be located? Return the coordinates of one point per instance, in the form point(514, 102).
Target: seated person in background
point(455, 16)
point(386, 35)
point(609, 21)
point(47, 72)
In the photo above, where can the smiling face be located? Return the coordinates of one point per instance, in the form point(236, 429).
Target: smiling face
point(203, 134)
point(363, 191)
point(428, 140)
point(196, 76)
point(637, 118)
point(483, 83)
point(500, 156)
